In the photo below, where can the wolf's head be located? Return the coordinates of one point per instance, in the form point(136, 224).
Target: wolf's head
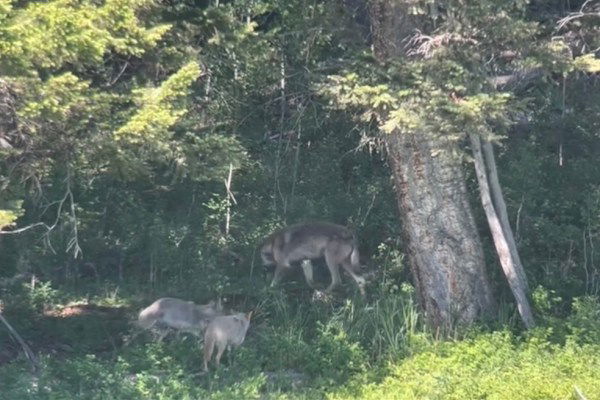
point(266, 252)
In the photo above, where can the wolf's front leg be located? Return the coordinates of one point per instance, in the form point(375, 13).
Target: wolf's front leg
point(307, 268)
point(278, 274)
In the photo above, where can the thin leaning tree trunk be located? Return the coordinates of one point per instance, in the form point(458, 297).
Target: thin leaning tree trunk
point(500, 207)
point(35, 366)
point(517, 285)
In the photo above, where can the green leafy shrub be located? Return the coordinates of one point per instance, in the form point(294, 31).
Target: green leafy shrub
point(492, 366)
point(584, 322)
point(333, 356)
point(42, 295)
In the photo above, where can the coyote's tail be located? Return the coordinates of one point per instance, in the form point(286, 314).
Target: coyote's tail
point(148, 317)
point(354, 256)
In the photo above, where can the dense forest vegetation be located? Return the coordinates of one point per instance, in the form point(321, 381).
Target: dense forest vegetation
point(147, 148)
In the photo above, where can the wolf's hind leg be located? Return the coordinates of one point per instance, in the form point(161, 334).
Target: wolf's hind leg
point(333, 266)
point(359, 279)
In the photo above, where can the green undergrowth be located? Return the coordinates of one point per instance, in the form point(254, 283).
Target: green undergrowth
point(296, 348)
point(490, 366)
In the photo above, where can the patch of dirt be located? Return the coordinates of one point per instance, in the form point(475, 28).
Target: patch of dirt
point(86, 309)
point(85, 328)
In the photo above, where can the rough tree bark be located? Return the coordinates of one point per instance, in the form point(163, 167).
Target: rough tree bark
point(444, 249)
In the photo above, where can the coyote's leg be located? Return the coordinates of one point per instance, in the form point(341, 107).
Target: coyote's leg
point(163, 334)
point(220, 350)
point(209, 346)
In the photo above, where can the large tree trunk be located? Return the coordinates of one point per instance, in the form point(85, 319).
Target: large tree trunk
point(444, 250)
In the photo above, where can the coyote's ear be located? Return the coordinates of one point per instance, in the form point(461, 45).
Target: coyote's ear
point(249, 315)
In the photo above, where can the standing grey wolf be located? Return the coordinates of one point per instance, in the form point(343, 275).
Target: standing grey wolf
point(224, 332)
point(311, 240)
point(185, 316)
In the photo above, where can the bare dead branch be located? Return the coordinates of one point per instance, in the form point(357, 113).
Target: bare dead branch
point(518, 219)
point(74, 241)
point(230, 198)
point(579, 14)
point(28, 353)
point(112, 82)
point(579, 394)
point(25, 228)
point(425, 46)
point(519, 78)
point(364, 220)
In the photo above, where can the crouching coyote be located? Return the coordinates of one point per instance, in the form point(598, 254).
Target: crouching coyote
point(184, 316)
point(309, 241)
point(224, 332)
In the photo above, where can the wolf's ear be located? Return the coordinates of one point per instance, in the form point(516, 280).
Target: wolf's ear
point(249, 315)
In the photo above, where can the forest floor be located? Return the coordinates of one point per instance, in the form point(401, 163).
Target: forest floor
point(89, 347)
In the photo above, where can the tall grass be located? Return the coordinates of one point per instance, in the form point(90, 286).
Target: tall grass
point(388, 327)
point(302, 349)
